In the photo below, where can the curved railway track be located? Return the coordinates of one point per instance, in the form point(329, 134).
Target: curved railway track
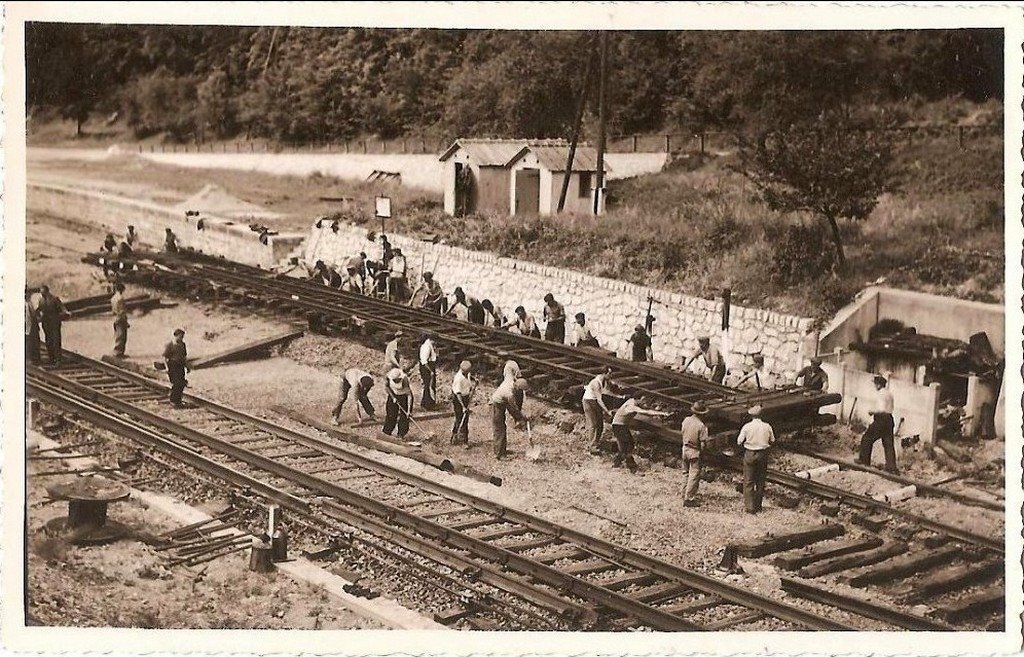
point(590, 582)
point(558, 367)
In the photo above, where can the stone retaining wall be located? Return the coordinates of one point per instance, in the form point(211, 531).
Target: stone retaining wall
point(220, 236)
point(612, 307)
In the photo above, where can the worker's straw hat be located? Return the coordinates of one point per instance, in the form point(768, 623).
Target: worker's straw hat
point(465, 366)
point(699, 408)
point(395, 374)
point(755, 410)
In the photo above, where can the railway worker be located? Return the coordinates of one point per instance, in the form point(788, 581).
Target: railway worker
point(757, 377)
point(398, 280)
point(594, 408)
point(433, 298)
point(621, 420)
point(756, 436)
point(176, 360)
point(355, 267)
point(352, 282)
point(398, 407)
point(124, 250)
point(512, 371)
point(428, 371)
point(120, 313)
point(360, 381)
point(506, 401)
point(713, 359)
point(493, 315)
point(468, 309)
point(51, 313)
point(640, 345)
point(813, 377)
point(581, 335)
point(463, 387)
point(695, 437)
point(392, 358)
point(554, 320)
point(109, 244)
point(524, 323)
point(130, 236)
point(881, 427)
point(170, 241)
point(32, 344)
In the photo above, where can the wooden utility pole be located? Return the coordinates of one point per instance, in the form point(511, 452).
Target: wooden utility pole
point(599, 192)
point(576, 126)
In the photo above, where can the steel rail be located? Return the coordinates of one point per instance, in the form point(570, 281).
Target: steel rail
point(820, 489)
point(508, 558)
point(854, 605)
point(727, 403)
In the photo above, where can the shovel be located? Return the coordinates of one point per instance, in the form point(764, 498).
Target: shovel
point(533, 453)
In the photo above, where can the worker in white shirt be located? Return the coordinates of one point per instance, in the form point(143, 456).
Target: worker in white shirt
point(398, 281)
point(428, 372)
point(463, 387)
point(713, 359)
point(581, 335)
point(881, 427)
point(398, 407)
point(695, 436)
point(594, 408)
point(360, 381)
point(624, 415)
point(757, 377)
point(756, 436)
point(511, 371)
point(504, 402)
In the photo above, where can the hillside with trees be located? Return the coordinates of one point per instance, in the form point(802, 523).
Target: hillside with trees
point(298, 85)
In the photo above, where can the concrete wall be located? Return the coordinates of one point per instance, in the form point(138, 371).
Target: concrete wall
point(220, 237)
point(613, 307)
point(931, 314)
point(915, 404)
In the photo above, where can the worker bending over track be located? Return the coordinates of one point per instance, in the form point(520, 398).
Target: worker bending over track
point(624, 415)
point(360, 381)
point(504, 401)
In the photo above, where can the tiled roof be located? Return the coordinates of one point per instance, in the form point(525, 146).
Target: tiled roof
point(496, 152)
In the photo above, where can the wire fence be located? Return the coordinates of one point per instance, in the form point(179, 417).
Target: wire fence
point(675, 142)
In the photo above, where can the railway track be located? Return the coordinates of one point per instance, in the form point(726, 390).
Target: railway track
point(586, 581)
point(558, 368)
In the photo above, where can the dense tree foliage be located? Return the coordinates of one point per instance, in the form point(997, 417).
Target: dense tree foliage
point(314, 84)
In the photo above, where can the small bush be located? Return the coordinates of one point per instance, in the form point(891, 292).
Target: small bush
point(801, 252)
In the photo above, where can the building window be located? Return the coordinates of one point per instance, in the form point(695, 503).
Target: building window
point(586, 184)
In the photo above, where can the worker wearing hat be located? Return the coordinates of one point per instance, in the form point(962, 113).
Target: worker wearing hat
point(713, 359)
point(463, 387)
point(176, 361)
point(695, 437)
point(640, 344)
point(554, 319)
point(881, 427)
point(506, 401)
point(756, 436)
point(398, 407)
point(360, 381)
point(813, 377)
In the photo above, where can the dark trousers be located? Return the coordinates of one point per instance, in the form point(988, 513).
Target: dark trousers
point(120, 335)
point(555, 331)
point(499, 432)
point(361, 398)
point(718, 374)
point(53, 346)
point(396, 414)
point(428, 373)
point(594, 416)
point(881, 428)
point(755, 472)
point(32, 345)
point(624, 441)
point(176, 374)
point(460, 428)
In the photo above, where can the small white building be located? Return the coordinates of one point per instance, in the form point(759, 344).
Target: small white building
point(517, 176)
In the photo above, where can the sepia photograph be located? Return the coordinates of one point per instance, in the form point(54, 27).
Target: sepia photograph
point(637, 322)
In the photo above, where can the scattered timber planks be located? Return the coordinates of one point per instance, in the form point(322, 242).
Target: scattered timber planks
point(247, 349)
point(984, 602)
point(947, 580)
point(89, 306)
point(808, 556)
point(847, 562)
point(877, 611)
point(903, 566)
point(777, 543)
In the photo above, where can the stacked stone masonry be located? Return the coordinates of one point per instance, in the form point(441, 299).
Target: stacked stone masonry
point(219, 237)
point(613, 308)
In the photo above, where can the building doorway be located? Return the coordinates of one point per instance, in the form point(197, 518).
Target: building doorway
point(463, 189)
point(527, 199)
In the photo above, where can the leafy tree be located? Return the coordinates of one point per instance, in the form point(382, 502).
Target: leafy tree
point(162, 101)
point(830, 166)
point(215, 105)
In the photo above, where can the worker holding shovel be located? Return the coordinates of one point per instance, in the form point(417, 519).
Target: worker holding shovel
point(463, 387)
point(398, 407)
point(503, 401)
point(361, 382)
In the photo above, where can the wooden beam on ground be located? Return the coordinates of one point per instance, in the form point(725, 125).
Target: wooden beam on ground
point(900, 567)
point(984, 602)
point(861, 607)
point(847, 562)
point(946, 580)
point(247, 349)
point(778, 543)
point(811, 555)
point(137, 302)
